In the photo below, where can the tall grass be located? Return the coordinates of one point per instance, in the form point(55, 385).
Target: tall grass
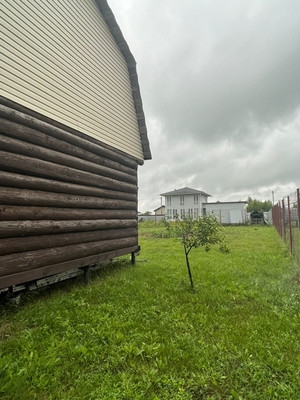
point(139, 332)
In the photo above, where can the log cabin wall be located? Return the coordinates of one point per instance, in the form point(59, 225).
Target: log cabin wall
point(66, 200)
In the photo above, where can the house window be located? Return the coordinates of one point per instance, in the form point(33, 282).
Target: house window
point(182, 200)
point(190, 212)
point(169, 201)
point(196, 212)
point(182, 213)
point(169, 213)
point(196, 199)
point(204, 211)
point(175, 214)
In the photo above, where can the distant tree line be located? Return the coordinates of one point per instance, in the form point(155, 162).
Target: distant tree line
point(146, 213)
point(257, 205)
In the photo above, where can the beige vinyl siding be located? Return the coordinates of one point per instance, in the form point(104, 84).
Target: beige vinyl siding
point(60, 59)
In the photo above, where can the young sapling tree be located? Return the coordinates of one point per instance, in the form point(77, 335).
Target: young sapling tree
point(195, 232)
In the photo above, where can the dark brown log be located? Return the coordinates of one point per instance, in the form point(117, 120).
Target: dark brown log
point(33, 136)
point(31, 166)
point(32, 228)
point(23, 244)
point(40, 273)
point(20, 262)
point(38, 198)
point(18, 213)
point(76, 138)
point(11, 179)
point(31, 150)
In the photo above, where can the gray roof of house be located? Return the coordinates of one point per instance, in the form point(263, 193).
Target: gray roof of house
point(183, 191)
point(131, 63)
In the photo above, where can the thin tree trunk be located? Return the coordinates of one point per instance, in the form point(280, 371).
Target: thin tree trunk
point(189, 269)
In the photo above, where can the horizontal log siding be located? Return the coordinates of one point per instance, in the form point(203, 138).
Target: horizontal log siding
point(10, 245)
point(37, 167)
point(19, 213)
point(29, 182)
point(12, 263)
point(62, 205)
point(34, 136)
point(38, 198)
point(25, 276)
point(60, 59)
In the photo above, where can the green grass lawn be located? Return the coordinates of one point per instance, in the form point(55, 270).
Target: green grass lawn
point(139, 332)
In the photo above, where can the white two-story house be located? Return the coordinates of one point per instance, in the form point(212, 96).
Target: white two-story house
point(184, 202)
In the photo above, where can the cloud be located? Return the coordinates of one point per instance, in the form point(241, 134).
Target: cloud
point(221, 92)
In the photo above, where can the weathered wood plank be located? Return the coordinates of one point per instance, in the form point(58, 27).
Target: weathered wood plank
point(25, 261)
point(29, 243)
point(32, 228)
point(11, 179)
point(39, 273)
point(32, 166)
point(33, 136)
point(39, 198)
point(31, 150)
point(18, 213)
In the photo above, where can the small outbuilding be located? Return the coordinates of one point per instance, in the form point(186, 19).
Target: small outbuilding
point(230, 212)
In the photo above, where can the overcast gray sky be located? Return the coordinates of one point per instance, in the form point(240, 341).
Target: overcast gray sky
point(220, 84)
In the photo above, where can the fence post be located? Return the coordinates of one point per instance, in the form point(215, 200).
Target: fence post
point(290, 224)
point(281, 216)
point(298, 207)
point(283, 221)
point(275, 217)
